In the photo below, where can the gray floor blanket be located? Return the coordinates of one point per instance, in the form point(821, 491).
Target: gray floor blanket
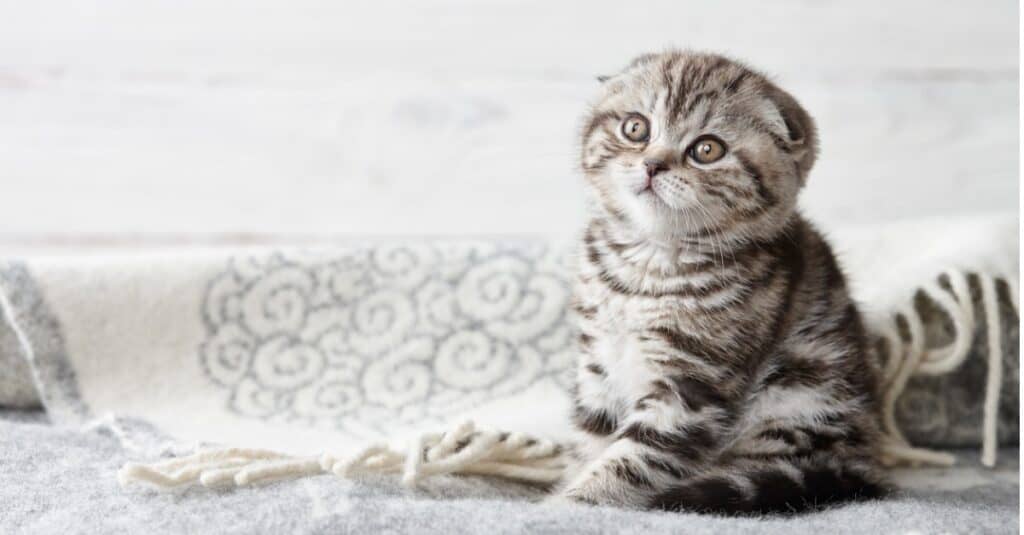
point(57, 480)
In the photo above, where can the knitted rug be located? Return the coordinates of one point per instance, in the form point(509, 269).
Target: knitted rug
point(346, 356)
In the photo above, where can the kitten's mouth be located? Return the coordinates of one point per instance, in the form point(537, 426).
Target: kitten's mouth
point(647, 187)
point(650, 197)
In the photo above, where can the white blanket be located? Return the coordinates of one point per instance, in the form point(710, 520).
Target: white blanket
point(330, 347)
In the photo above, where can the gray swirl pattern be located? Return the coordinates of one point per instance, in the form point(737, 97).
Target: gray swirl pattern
point(365, 335)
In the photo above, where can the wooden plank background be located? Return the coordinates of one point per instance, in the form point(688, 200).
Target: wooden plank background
point(200, 118)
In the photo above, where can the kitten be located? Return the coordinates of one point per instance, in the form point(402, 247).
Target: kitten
point(723, 366)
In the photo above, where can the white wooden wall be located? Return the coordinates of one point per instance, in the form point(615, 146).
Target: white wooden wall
point(459, 116)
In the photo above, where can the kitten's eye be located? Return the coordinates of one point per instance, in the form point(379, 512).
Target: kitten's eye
point(636, 128)
point(707, 149)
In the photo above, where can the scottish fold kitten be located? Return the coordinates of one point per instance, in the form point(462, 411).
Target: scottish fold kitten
point(723, 366)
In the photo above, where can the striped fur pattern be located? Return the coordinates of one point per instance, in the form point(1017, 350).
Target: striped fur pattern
point(723, 366)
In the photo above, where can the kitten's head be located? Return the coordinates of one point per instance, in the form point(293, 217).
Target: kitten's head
point(682, 144)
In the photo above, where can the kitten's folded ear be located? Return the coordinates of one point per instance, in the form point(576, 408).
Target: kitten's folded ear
point(602, 78)
point(803, 135)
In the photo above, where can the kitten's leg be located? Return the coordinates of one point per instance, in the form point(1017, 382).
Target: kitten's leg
point(593, 414)
point(786, 462)
point(674, 427)
point(774, 485)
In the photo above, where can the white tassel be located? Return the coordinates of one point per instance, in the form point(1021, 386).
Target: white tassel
point(413, 463)
point(279, 469)
point(463, 450)
point(994, 383)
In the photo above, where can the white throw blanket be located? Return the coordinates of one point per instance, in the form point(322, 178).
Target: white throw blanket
point(334, 348)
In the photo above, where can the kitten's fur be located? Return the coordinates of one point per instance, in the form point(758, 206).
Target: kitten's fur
point(723, 366)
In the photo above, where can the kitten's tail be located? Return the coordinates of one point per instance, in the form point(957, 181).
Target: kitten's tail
point(772, 489)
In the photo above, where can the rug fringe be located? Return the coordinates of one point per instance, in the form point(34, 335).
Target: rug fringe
point(908, 356)
point(464, 450)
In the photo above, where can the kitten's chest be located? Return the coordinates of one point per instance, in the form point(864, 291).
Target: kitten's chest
point(618, 325)
point(619, 315)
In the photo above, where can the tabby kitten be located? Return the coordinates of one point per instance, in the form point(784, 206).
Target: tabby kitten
point(723, 366)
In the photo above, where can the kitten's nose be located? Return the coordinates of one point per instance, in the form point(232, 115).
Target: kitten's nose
point(654, 166)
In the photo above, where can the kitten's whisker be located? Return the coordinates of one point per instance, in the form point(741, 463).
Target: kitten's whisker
point(716, 239)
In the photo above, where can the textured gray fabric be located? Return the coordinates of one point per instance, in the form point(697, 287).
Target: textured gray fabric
point(46, 355)
point(17, 389)
point(62, 481)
